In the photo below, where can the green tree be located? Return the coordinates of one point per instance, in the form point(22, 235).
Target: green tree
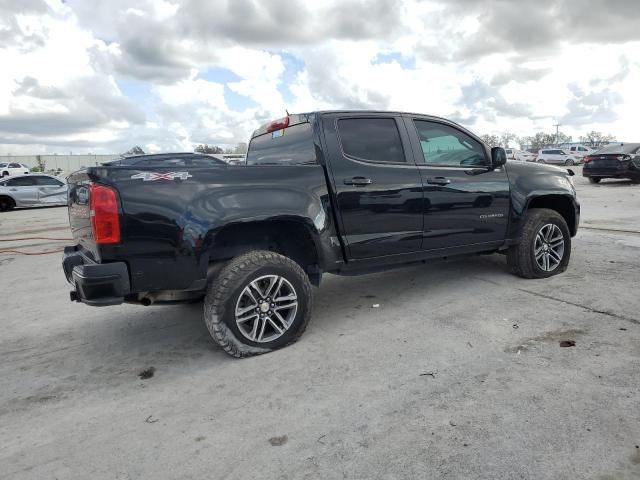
point(542, 139)
point(135, 151)
point(491, 140)
point(596, 139)
point(506, 138)
point(208, 149)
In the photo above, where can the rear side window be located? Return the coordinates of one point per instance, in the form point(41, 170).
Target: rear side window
point(289, 146)
point(48, 181)
point(14, 165)
point(373, 139)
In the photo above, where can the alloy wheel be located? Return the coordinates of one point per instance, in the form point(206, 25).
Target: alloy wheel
point(266, 308)
point(549, 247)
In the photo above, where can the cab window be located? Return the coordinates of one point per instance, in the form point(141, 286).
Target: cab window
point(447, 146)
point(371, 139)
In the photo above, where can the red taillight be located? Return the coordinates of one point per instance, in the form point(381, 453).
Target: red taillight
point(105, 219)
point(588, 158)
point(278, 124)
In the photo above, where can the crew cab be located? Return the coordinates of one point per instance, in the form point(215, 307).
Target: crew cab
point(341, 192)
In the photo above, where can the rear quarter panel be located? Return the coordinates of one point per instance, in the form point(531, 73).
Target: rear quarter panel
point(169, 226)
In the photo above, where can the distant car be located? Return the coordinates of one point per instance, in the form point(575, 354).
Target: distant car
point(519, 155)
point(580, 150)
point(12, 168)
point(557, 156)
point(180, 159)
point(613, 161)
point(31, 191)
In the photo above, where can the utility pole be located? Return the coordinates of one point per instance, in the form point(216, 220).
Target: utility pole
point(557, 125)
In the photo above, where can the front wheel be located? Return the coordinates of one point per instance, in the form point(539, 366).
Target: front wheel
point(6, 204)
point(545, 245)
point(259, 302)
point(568, 162)
point(541, 160)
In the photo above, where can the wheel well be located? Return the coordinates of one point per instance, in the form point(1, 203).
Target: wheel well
point(11, 200)
point(289, 238)
point(561, 204)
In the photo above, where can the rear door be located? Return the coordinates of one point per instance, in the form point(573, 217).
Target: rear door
point(51, 190)
point(377, 185)
point(466, 201)
point(24, 190)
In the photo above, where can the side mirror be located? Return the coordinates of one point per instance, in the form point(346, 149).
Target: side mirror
point(498, 157)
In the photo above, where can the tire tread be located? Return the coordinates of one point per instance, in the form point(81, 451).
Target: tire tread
point(222, 287)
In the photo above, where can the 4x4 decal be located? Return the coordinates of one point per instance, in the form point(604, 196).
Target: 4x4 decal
point(152, 176)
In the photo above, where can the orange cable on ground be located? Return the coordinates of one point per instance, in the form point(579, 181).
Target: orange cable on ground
point(19, 252)
point(34, 238)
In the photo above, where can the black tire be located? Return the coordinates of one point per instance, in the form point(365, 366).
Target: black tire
point(594, 179)
point(6, 204)
point(568, 162)
point(541, 160)
point(521, 257)
point(223, 294)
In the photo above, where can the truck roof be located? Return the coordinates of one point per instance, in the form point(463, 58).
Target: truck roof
point(297, 118)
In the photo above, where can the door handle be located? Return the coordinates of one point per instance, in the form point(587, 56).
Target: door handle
point(438, 180)
point(358, 181)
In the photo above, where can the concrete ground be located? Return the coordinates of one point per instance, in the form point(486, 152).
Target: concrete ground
point(457, 374)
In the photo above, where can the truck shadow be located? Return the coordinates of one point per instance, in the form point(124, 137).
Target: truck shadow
point(178, 331)
point(111, 347)
point(175, 338)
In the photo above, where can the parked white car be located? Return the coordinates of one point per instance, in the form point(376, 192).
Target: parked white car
point(519, 155)
point(13, 168)
point(32, 191)
point(580, 151)
point(558, 156)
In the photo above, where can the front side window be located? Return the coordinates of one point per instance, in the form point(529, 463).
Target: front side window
point(290, 146)
point(21, 182)
point(447, 146)
point(372, 139)
point(14, 165)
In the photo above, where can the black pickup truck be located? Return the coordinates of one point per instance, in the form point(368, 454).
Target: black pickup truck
point(341, 192)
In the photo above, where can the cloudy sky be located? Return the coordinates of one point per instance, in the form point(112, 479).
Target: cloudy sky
point(103, 76)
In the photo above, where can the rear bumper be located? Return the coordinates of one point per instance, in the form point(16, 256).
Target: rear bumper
point(96, 284)
point(618, 171)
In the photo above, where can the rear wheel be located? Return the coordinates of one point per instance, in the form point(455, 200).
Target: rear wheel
point(6, 203)
point(259, 302)
point(5, 174)
point(594, 180)
point(541, 160)
point(545, 245)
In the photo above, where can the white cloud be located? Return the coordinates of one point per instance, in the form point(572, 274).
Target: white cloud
point(479, 63)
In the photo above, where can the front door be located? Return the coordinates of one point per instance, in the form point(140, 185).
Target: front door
point(466, 202)
point(377, 185)
point(24, 190)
